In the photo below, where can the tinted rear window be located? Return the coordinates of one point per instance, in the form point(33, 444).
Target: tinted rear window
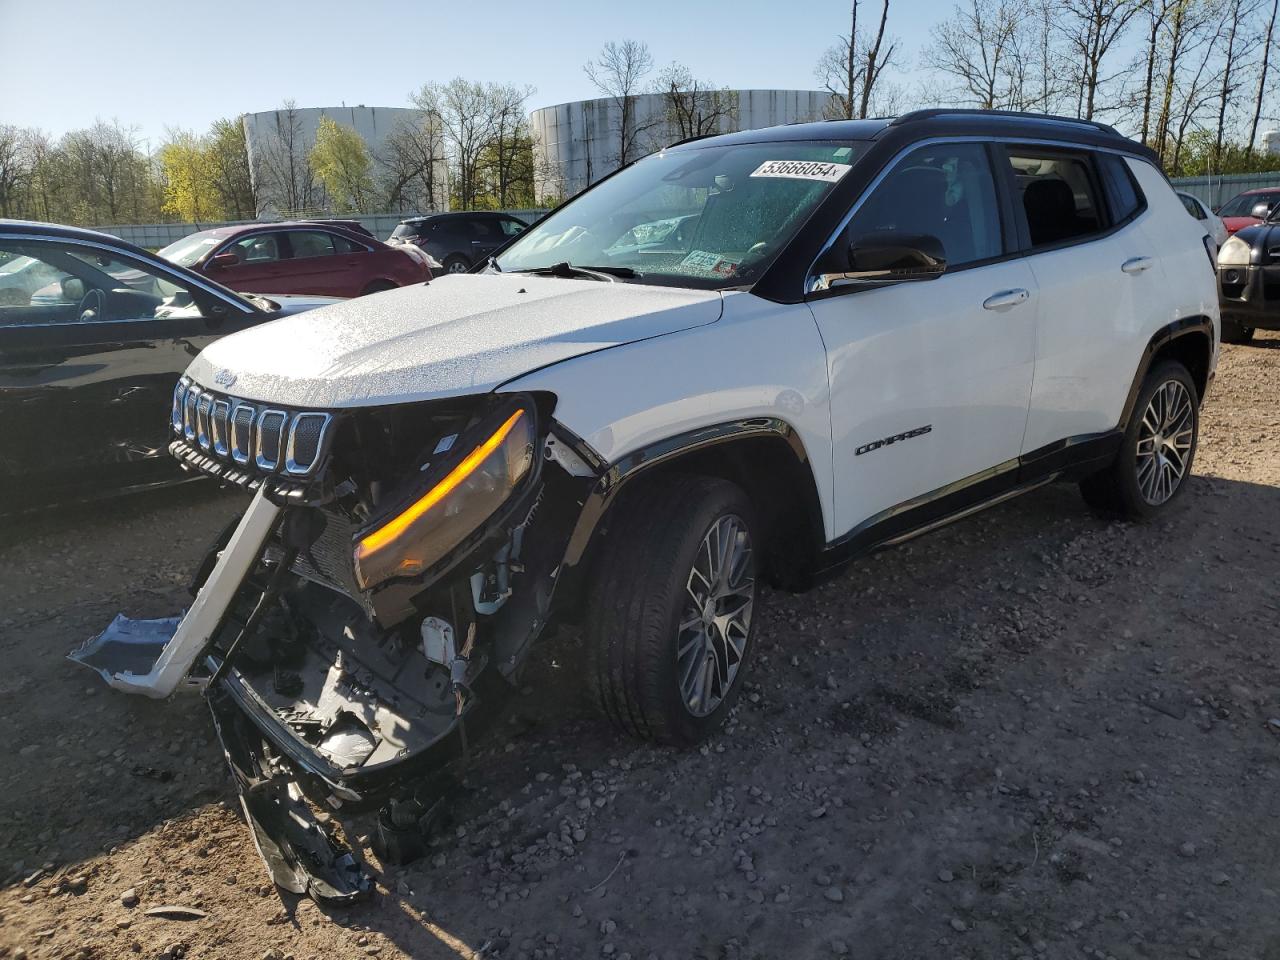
point(405, 230)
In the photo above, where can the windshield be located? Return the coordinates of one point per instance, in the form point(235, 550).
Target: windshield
point(1242, 206)
point(708, 217)
point(189, 250)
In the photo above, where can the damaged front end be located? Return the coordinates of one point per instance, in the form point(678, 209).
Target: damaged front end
point(367, 614)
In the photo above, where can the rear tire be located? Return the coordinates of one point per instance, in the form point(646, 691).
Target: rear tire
point(669, 633)
point(1233, 332)
point(1157, 451)
point(377, 286)
point(456, 265)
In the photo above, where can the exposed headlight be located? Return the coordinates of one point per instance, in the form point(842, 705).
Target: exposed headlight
point(1234, 253)
point(423, 532)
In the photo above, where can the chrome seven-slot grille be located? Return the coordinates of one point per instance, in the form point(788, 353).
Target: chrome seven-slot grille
point(256, 436)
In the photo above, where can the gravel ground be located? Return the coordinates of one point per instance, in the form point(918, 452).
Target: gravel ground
point(1032, 734)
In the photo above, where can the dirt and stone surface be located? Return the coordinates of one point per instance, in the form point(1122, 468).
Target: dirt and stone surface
point(1033, 734)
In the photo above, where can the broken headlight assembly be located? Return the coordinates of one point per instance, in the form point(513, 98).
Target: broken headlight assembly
point(478, 473)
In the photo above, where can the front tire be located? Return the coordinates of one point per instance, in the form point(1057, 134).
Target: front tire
point(1157, 451)
point(669, 630)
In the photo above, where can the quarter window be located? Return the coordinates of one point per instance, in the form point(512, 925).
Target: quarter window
point(1123, 194)
point(1058, 196)
point(945, 191)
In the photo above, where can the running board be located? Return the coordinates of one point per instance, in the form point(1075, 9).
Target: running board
point(966, 512)
point(151, 657)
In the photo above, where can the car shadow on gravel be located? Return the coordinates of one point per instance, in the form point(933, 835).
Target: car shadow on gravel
point(881, 694)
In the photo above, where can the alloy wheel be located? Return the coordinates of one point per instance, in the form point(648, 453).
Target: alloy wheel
point(1165, 439)
point(716, 620)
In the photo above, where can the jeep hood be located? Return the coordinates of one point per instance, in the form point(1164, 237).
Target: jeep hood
point(455, 335)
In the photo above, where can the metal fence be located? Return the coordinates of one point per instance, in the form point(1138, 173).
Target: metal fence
point(156, 235)
point(1216, 191)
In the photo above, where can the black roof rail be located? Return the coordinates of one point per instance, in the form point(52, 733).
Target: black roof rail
point(917, 115)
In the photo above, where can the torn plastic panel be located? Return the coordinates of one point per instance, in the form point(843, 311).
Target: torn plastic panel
point(354, 694)
point(138, 657)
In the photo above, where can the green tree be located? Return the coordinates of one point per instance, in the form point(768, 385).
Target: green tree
point(341, 163)
point(186, 164)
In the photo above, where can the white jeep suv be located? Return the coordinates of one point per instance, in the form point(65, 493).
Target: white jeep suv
point(745, 358)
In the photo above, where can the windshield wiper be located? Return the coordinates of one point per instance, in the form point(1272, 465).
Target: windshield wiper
point(570, 270)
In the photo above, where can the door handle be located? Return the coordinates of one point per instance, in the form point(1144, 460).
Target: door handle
point(1006, 299)
point(1135, 265)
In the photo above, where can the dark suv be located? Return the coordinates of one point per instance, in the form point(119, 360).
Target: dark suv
point(458, 240)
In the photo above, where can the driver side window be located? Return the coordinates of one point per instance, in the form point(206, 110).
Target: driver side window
point(53, 283)
point(944, 191)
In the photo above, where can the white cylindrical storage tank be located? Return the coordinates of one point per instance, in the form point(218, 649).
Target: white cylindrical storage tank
point(579, 143)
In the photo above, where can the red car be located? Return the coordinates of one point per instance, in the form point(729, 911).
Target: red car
point(310, 257)
point(1242, 210)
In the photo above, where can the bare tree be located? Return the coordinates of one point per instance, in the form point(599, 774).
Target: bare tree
point(466, 121)
point(509, 138)
point(283, 170)
point(1262, 74)
point(852, 68)
point(1092, 29)
point(1187, 31)
point(978, 48)
point(1237, 48)
point(413, 157)
point(619, 74)
point(1157, 11)
point(695, 107)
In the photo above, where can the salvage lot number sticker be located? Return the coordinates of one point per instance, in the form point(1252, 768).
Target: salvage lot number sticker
point(802, 170)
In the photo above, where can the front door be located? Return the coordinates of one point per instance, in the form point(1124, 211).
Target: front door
point(260, 265)
point(930, 380)
point(88, 363)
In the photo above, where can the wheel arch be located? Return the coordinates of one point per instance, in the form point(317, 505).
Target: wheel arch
point(763, 455)
point(1189, 341)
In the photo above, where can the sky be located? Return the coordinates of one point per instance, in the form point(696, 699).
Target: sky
point(158, 65)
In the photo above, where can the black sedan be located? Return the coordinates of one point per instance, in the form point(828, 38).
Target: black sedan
point(1249, 281)
point(94, 332)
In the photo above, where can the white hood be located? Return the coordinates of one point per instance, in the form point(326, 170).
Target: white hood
point(456, 335)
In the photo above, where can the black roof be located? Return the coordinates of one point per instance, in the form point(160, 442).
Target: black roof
point(39, 228)
point(458, 215)
point(943, 122)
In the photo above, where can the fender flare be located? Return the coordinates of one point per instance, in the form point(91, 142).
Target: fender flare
point(614, 477)
point(1186, 326)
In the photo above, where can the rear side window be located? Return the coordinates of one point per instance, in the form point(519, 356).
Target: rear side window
point(1058, 195)
point(1124, 195)
point(311, 243)
point(945, 191)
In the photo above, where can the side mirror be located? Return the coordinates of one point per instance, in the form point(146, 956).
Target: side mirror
point(1260, 211)
point(890, 256)
point(223, 260)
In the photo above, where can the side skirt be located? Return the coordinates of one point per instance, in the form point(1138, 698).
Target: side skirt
point(1067, 459)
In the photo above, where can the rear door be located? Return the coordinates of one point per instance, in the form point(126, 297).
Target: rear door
point(486, 237)
point(1100, 286)
point(322, 263)
point(88, 364)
